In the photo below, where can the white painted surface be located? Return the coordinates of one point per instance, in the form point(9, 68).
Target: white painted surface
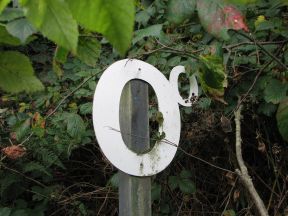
point(106, 116)
point(193, 91)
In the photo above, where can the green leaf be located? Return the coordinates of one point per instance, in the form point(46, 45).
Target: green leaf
point(60, 57)
point(114, 180)
point(229, 212)
point(217, 17)
point(75, 125)
point(86, 108)
point(20, 212)
point(187, 186)
point(54, 19)
point(212, 75)
point(185, 174)
point(267, 108)
point(6, 38)
point(242, 2)
point(204, 103)
point(155, 192)
point(112, 18)
point(35, 11)
point(22, 129)
point(60, 54)
point(265, 25)
point(17, 73)
point(7, 181)
point(179, 11)
point(173, 182)
point(154, 30)
point(3, 4)
point(20, 28)
point(282, 118)
point(5, 211)
point(10, 14)
point(34, 166)
point(89, 50)
point(275, 91)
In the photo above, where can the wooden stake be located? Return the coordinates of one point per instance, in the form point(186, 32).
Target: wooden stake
point(135, 192)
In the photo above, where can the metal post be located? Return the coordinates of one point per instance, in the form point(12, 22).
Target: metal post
point(135, 192)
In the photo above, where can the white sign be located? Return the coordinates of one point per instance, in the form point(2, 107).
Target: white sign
point(106, 115)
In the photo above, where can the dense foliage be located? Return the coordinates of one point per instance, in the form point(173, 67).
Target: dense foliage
point(56, 50)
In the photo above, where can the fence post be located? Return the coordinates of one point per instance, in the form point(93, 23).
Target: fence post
point(135, 192)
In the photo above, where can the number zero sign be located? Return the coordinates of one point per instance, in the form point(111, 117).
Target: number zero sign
point(106, 115)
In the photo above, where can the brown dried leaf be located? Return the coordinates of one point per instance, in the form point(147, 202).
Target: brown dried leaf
point(14, 152)
point(226, 124)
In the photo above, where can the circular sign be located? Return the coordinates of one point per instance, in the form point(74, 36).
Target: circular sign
point(106, 117)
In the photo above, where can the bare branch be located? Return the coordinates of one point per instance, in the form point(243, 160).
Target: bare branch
point(243, 172)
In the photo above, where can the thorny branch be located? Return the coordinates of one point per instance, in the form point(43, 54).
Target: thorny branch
point(264, 49)
point(258, 75)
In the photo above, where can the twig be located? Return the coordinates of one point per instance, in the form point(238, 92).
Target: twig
point(19, 173)
point(71, 93)
point(103, 202)
point(185, 52)
point(264, 49)
point(232, 46)
point(243, 172)
point(228, 199)
point(62, 101)
point(179, 210)
point(181, 149)
point(257, 76)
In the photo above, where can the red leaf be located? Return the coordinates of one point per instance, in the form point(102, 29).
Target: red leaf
point(234, 19)
point(217, 18)
point(14, 151)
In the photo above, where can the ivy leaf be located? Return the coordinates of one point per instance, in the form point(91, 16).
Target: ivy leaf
point(217, 18)
point(282, 118)
point(6, 38)
point(275, 91)
point(20, 28)
point(75, 125)
point(112, 18)
point(54, 19)
point(89, 50)
point(212, 76)
point(179, 11)
point(17, 73)
point(3, 4)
